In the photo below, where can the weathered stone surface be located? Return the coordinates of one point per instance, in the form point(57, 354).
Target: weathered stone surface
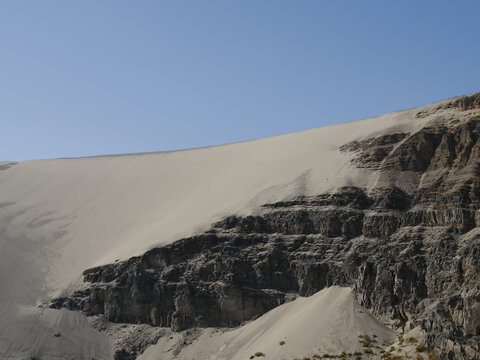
point(371, 152)
point(413, 256)
point(463, 103)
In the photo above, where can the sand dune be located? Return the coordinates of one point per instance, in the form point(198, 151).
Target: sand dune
point(327, 322)
point(61, 216)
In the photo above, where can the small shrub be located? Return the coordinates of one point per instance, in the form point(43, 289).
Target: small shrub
point(420, 348)
point(259, 354)
point(389, 356)
point(432, 356)
point(281, 343)
point(368, 351)
point(412, 340)
point(251, 357)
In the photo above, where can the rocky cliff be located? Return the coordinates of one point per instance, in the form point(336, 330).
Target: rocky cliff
point(409, 247)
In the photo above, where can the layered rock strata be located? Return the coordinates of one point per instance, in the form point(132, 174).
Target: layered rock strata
point(410, 251)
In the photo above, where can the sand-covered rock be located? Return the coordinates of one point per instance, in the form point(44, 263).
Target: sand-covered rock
point(405, 254)
point(173, 242)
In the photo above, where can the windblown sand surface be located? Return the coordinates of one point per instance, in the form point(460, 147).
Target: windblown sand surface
point(327, 322)
point(59, 217)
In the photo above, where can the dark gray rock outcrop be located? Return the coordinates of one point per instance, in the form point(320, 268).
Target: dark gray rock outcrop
point(413, 256)
point(462, 103)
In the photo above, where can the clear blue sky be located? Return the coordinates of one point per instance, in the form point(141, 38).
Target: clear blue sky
point(99, 77)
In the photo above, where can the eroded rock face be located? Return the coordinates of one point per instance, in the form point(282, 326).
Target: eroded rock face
point(372, 152)
point(413, 256)
point(462, 103)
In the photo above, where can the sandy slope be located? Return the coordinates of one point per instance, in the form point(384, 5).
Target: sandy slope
point(61, 216)
point(327, 322)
